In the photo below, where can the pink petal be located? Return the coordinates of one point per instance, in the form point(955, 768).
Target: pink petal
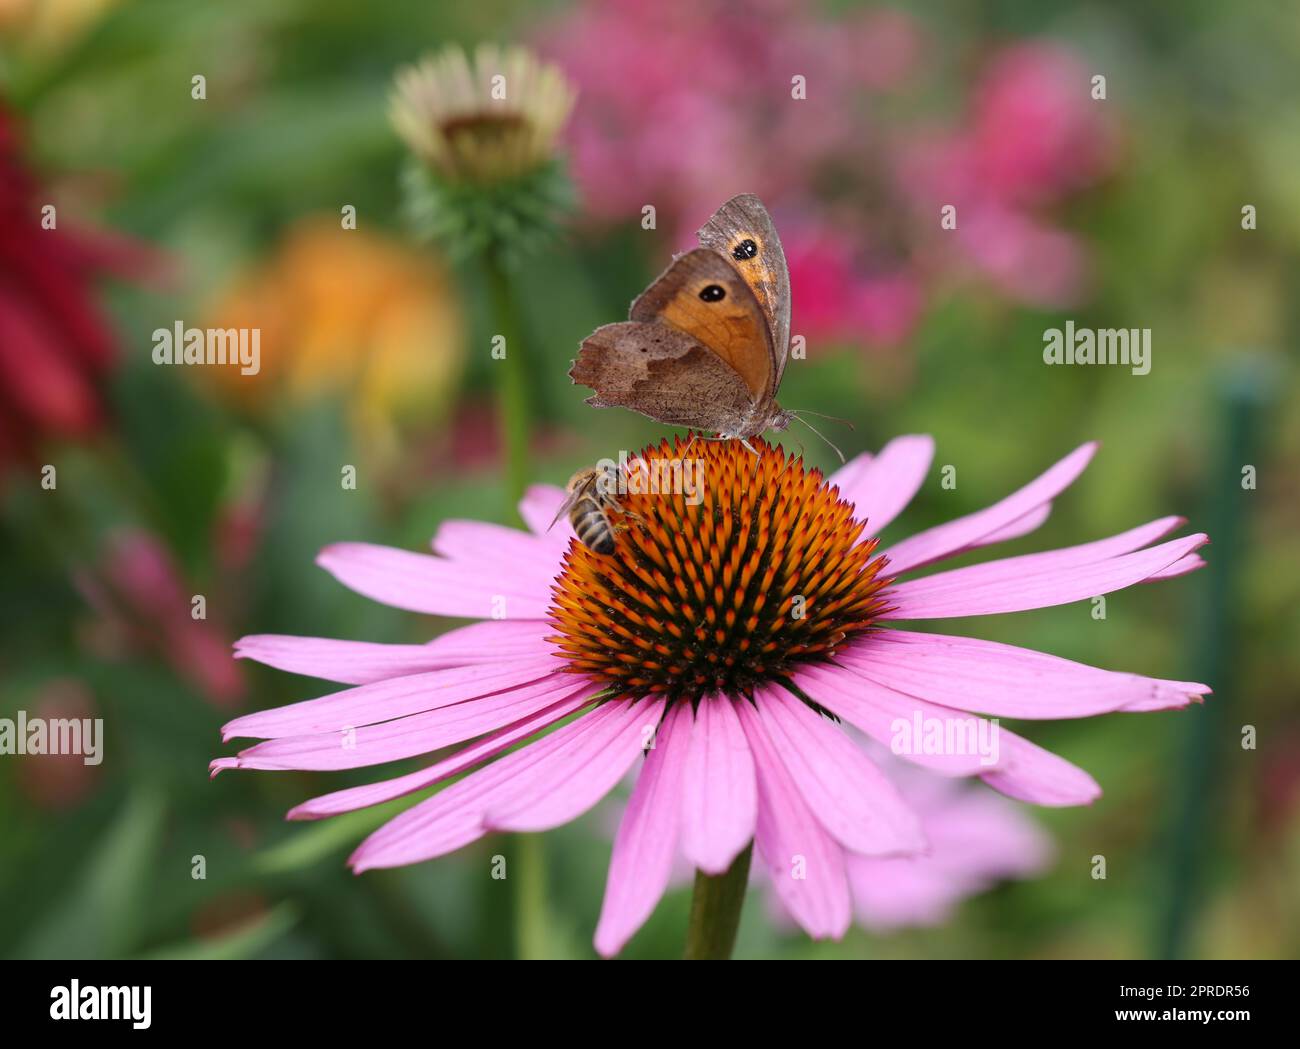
point(453, 817)
point(876, 710)
point(1101, 549)
point(1022, 526)
point(493, 640)
point(1007, 586)
point(646, 842)
point(1002, 680)
point(352, 798)
point(540, 504)
point(363, 662)
point(964, 532)
point(409, 736)
point(1017, 767)
point(900, 891)
point(880, 488)
point(389, 698)
point(720, 799)
point(220, 765)
point(507, 552)
point(805, 863)
point(847, 793)
point(434, 585)
point(1027, 772)
point(548, 796)
point(849, 475)
point(976, 838)
point(1190, 563)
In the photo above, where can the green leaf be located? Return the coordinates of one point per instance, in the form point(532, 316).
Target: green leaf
point(244, 941)
point(99, 917)
point(322, 839)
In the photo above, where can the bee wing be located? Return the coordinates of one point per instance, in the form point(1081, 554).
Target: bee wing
point(570, 501)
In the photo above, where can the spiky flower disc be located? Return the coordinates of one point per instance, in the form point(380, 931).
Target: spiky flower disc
point(764, 574)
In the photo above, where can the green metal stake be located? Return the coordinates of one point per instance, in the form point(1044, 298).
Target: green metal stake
point(1197, 808)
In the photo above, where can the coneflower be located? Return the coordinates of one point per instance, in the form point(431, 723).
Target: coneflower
point(492, 117)
point(484, 133)
point(719, 646)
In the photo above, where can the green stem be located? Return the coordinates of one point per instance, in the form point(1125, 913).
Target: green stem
point(531, 936)
point(715, 911)
point(513, 406)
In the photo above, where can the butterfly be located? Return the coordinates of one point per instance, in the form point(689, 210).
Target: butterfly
point(706, 344)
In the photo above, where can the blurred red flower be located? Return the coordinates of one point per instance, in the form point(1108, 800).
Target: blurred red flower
point(55, 346)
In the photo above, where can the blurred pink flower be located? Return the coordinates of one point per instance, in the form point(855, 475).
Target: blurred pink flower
point(832, 299)
point(682, 105)
point(976, 839)
point(685, 104)
point(1026, 260)
point(1037, 132)
point(141, 594)
point(1034, 135)
point(59, 781)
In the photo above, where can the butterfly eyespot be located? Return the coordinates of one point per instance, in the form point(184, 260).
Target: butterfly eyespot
point(746, 249)
point(713, 293)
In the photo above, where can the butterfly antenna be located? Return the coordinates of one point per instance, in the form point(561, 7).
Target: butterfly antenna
point(823, 437)
point(819, 415)
point(790, 460)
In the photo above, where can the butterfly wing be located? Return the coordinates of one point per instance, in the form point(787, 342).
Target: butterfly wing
point(701, 295)
point(661, 372)
point(743, 233)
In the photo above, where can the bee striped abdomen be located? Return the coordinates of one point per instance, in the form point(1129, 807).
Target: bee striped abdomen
point(593, 530)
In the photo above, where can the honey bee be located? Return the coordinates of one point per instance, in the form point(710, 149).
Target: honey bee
point(588, 503)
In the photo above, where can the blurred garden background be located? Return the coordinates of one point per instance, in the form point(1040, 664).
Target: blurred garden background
point(1122, 211)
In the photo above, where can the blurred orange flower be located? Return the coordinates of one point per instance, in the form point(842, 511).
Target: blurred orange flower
point(50, 24)
point(351, 314)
